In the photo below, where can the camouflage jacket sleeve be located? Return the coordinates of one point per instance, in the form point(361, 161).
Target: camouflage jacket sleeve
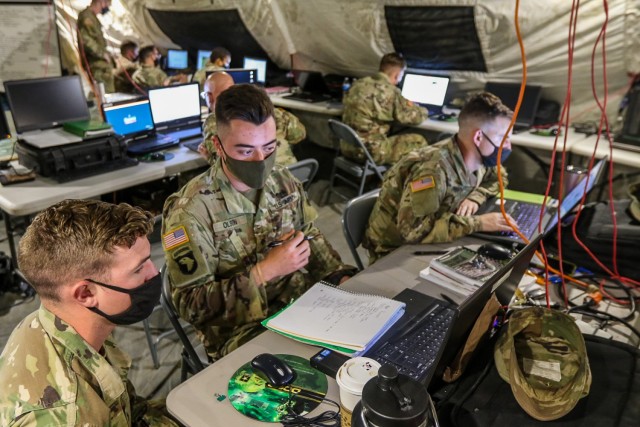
point(406, 112)
point(289, 127)
point(90, 33)
point(489, 186)
point(210, 130)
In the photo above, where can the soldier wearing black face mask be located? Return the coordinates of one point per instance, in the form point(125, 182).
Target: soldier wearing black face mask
point(433, 194)
point(89, 262)
point(93, 46)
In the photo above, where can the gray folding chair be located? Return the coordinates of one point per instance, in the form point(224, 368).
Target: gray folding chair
point(194, 359)
point(355, 218)
point(350, 172)
point(304, 170)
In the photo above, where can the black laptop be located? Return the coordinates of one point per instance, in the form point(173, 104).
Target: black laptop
point(176, 111)
point(426, 90)
point(312, 85)
point(509, 93)
point(527, 214)
point(132, 120)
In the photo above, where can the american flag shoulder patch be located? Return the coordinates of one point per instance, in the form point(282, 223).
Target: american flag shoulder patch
point(423, 184)
point(176, 237)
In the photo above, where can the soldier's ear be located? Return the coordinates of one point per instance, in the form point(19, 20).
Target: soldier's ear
point(84, 293)
point(218, 145)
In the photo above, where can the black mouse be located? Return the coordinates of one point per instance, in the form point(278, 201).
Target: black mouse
point(495, 251)
point(275, 370)
point(157, 156)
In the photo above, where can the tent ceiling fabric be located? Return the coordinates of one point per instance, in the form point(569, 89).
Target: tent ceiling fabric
point(349, 37)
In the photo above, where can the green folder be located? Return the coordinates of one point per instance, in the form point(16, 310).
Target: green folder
point(87, 128)
point(521, 196)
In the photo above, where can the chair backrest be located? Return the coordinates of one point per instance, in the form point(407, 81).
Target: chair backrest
point(304, 170)
point(165, 299)
point(348, 135)
point(355, 218)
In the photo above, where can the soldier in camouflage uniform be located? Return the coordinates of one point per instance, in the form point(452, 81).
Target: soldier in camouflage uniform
point(149, 75)
point(289, 130)
point(219, 60)
point(432, 194)
point(239, 239)
point(372, 105)
point(92, 45)
point(60, 366)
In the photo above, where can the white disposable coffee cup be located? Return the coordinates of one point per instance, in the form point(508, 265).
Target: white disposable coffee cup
point(351, 378)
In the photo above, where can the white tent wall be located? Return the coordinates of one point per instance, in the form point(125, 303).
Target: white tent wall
point(348, 37)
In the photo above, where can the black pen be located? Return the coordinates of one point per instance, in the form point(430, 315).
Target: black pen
point(277, 243)
point(430, 252)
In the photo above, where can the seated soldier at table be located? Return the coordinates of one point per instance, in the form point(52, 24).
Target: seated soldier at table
point(219, 59)
point(239, 239)
point(89, 262)
point(375, 103)
point(432, 195)
point(149, 75)
point(289, 130)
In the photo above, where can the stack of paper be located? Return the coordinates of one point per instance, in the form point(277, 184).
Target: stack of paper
point(334, 318)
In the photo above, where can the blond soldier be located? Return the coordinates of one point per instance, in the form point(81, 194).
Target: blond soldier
point(149, 75)
point(89, 263)
point(432, 194)
point(219, 60)
point(373, 104)
point(289, 130)
point(239, 239)
point(92, 45)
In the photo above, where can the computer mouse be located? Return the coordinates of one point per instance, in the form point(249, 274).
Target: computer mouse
point(495, 251)
point(273, 369)
point(157, 156)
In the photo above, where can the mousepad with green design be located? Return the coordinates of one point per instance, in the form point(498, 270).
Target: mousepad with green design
point(254, 397)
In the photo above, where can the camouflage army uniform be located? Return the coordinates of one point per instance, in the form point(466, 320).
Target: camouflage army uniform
point(420, 195)
point(371, 106)
point(213, 236)
point(91, 40)
point(149, 76)
point(289, 131)
point(51, 377)
point(201, 75)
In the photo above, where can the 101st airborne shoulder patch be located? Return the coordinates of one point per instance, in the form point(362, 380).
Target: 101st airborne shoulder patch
point(174, 238)
point(423, 184)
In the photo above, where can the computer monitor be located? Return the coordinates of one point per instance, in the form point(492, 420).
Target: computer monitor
point(425, 89)
point(259, 64)
point(203, 57)
point(509, 92)
point(177, 59)
point(46, 103)
point(310, 81)
point(240, 75)
point(172, 106)
point(129, 118)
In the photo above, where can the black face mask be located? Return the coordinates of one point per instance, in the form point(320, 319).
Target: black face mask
point(143, 299)
point(492, 159)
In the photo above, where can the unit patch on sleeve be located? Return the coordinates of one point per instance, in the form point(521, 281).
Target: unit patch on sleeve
point(174, 238)
point(423, 184)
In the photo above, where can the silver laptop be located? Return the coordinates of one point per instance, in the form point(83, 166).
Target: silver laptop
point(176, 111)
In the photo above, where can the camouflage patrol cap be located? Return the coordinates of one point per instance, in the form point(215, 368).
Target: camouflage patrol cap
point(543, 357)
point(634, 207)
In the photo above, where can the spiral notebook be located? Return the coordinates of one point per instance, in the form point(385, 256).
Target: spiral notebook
point(331, 317)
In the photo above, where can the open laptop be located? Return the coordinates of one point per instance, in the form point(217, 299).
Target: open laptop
point(509, 92)
point(425, 340)
point(527, 213)
point(258, 64)
point(312, 85)
point(133, 121)
point(427, 90)
point(176, 111)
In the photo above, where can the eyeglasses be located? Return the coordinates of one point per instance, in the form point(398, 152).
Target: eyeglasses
point(203, 94)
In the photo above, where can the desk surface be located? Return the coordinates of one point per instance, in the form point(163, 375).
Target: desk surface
point(620, 156)
point(328, 108)
point(194, 402)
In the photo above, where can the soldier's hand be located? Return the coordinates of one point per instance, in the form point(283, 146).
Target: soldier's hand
point(495, 222)
point(202, 150)
point(286, 258)
point(467, 208)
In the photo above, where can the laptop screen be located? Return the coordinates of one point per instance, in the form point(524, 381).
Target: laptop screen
point(129, 119)
point(240, 75)
point(310, 81)
point(425, 89)
point(173, 106)
point(46, 103)
point(509, 92)
point(203, 57)
point(177, 59)
point(258, 64)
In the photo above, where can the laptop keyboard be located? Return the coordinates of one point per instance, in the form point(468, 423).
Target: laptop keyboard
point(192, 144)
point(526, 216)
point(416, 350)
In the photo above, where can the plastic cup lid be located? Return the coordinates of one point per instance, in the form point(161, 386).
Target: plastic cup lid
point(356, 372)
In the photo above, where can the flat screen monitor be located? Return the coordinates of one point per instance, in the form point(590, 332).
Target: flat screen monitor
point(177, 59)
point(203, 57)
point(129, 118)
point(509, 92)
point(174, 105)
point(258, 64)
point(310, 81)
point(425, 89)
point(240, 75)
point(46, 103)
